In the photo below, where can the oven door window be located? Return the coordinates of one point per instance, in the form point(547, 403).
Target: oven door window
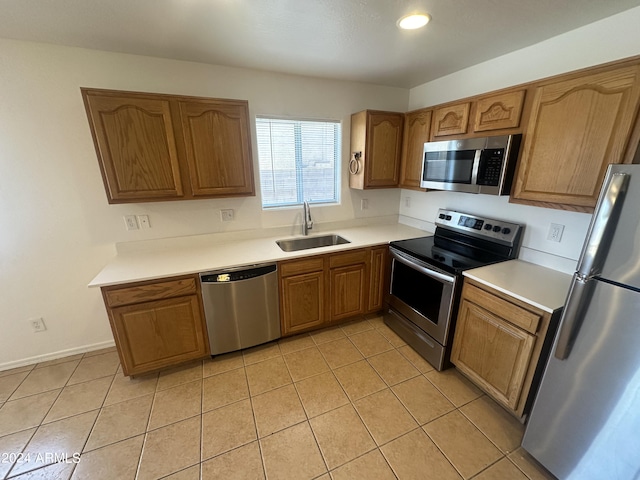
point(424, 294)
point(449, 167)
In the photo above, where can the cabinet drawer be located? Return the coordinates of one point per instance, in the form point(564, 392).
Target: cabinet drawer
point(155, 291)
point(525, 319)
point(297, 267)
point(348, 258)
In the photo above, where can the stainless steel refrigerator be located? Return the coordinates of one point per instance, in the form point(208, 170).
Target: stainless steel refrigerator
point(585, 421)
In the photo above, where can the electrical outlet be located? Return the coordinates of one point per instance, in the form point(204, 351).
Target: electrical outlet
point(37, 325)
point(143, 220)
point(131, 222)
point(407, 202)
point(364, 204)
point(226, 215)
point(555, 232)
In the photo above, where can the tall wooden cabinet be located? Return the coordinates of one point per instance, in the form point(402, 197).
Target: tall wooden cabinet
point(154, 147)
point(158, 323)
point(376, 147)
point(578, 125)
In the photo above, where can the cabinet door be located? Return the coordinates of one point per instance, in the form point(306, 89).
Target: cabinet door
point(451, 120)
point(492, 352)
point(417, 128)
point(136, 147)
point(498, 111)
point(348, 291)
point(217, 146)
point(577, 127)
point(377, 279)
point(382, 156)
point(159, 333)
point(302, 302)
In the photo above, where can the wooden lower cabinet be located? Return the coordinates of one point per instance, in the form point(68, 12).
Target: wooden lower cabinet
point(157, 324)
point(320, 290)
point(348, 284)
point(378, 279)
point(302, 298)
point(497, 344)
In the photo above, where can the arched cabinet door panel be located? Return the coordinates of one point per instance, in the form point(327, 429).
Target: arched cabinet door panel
point(155, 147)
point(577, 127)
point(136, 147)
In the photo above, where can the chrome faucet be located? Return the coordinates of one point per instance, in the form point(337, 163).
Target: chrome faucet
point(307, 223)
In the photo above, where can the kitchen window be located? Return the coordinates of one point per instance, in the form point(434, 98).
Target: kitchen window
point(299, 160)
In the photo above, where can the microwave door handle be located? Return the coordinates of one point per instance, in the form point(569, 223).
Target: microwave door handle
point(430, 273)
point(476, 166)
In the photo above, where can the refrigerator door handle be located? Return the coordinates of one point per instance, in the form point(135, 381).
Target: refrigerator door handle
point(603, 224)
point(573, 314)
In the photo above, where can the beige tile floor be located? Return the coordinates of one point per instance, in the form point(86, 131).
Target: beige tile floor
point(350, 402)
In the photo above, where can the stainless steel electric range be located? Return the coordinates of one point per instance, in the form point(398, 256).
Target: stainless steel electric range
point(426, 277)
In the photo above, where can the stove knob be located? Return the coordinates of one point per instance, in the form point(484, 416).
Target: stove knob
point(497, 228)
point(506, 230)
point(448, 217)
point(441, 216)
point(488, 226)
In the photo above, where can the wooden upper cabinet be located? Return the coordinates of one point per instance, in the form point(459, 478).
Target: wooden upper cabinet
point(451, 119)
point(217, 147)
point(497, 112)
point(417, 129)
point(136, 147)
point(154, 147)
point(577, 127)
point(376, 143)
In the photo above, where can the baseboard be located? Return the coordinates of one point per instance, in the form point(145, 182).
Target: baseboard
point(55, 355)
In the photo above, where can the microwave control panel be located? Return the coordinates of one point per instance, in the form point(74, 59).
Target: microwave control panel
point(490, 166)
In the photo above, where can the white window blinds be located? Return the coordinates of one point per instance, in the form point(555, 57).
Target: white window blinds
point(299, 160)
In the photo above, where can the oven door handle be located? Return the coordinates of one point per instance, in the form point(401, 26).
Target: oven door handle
point(427, 271)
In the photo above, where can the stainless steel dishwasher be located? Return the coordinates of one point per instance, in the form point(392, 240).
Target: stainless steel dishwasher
point(241, 307)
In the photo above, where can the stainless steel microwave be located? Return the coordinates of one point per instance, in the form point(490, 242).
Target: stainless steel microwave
point(474, 165)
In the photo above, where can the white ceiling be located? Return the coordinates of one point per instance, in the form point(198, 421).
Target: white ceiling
point(339, 39)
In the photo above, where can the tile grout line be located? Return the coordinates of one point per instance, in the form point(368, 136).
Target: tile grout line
point(255, 426)
point(308, 419)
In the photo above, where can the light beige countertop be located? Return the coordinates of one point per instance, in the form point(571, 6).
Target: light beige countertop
point(539, 286)
point(201, 253)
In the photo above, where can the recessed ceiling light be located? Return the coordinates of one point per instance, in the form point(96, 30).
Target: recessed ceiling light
point(413, 21)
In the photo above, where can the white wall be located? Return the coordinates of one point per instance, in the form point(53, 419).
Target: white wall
point(57, 230)
point(604, 41)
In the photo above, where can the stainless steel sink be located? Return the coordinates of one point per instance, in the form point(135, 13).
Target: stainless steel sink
point(295, 244)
